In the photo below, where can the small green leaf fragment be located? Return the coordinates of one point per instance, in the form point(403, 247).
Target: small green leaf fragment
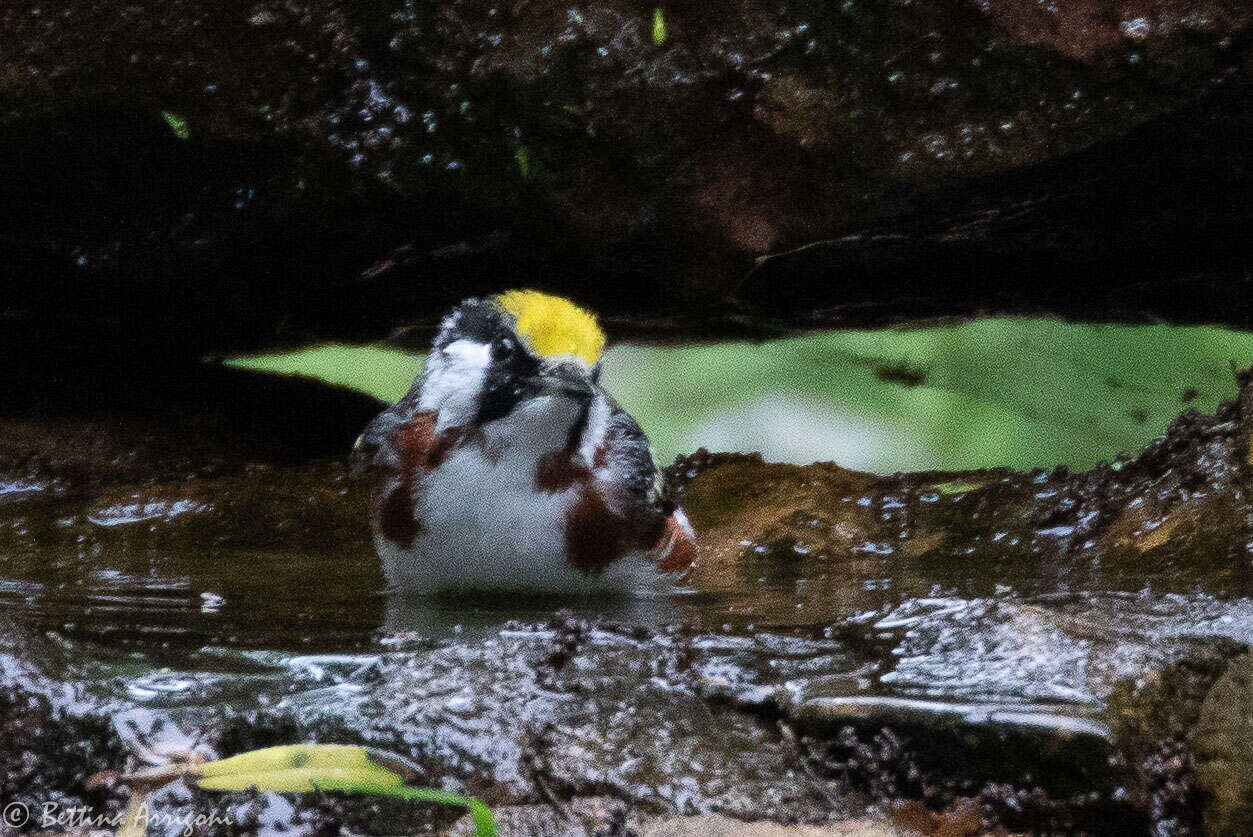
point(484, 821)
point(957, 487)
point(660, 33)
point(177, 124)
point(523, 156)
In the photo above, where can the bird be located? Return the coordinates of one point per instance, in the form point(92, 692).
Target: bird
point(508, 466)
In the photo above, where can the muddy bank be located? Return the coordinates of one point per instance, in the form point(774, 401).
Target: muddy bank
point(190, 177)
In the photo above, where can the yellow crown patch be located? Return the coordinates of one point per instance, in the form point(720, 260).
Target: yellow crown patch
point(552, 325)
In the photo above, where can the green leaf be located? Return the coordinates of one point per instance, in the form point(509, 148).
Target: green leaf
point(303, 768)
point(297, 768)
point(660, 33)
point(177, 124)
point(484, 822)
point(523, 156)
point(1012, 392)
point(383, 373)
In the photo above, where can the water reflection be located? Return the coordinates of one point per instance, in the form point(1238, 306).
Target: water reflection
point(472, 616)
point(168, 590)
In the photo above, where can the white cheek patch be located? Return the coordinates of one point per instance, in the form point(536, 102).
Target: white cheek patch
point(452, 381)
point(469, 354)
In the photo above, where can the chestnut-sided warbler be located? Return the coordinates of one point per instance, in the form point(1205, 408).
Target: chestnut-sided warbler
point(507, 465)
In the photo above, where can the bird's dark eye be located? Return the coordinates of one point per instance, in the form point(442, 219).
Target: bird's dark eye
point(504, 348)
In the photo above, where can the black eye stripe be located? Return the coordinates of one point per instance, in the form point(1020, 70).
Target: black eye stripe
point(496, 403)
point(522, 364)
point(506, 383)
point(504, 347)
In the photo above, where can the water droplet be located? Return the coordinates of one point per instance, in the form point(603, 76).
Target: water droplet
point(1135, 29)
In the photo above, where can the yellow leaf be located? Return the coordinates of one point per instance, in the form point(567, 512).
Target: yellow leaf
point(301, 768)
point(296, 768)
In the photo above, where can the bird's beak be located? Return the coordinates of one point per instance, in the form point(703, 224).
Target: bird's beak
point(566, 379)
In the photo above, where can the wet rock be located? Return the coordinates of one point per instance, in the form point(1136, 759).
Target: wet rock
point(51, 740)
point(608, 818)
point(160, 161)
point(639, 727)
point(1159, 719)
point(616, 723)
point(961, 818)
point(1085, 28)
point(622, 718)
point(719, 826)
point(1086, 235)
point(1082, 726)
point(577, 818)
point(900, 771)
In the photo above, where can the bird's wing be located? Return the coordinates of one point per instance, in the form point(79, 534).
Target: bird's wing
point(630, 459)
point(397, 436)
point(643, 495)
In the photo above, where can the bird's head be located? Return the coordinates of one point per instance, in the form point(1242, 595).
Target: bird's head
point(517, 354)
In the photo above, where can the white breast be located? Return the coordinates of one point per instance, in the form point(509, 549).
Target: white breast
point(485, 526)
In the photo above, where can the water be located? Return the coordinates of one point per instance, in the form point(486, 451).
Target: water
point(180, 579)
